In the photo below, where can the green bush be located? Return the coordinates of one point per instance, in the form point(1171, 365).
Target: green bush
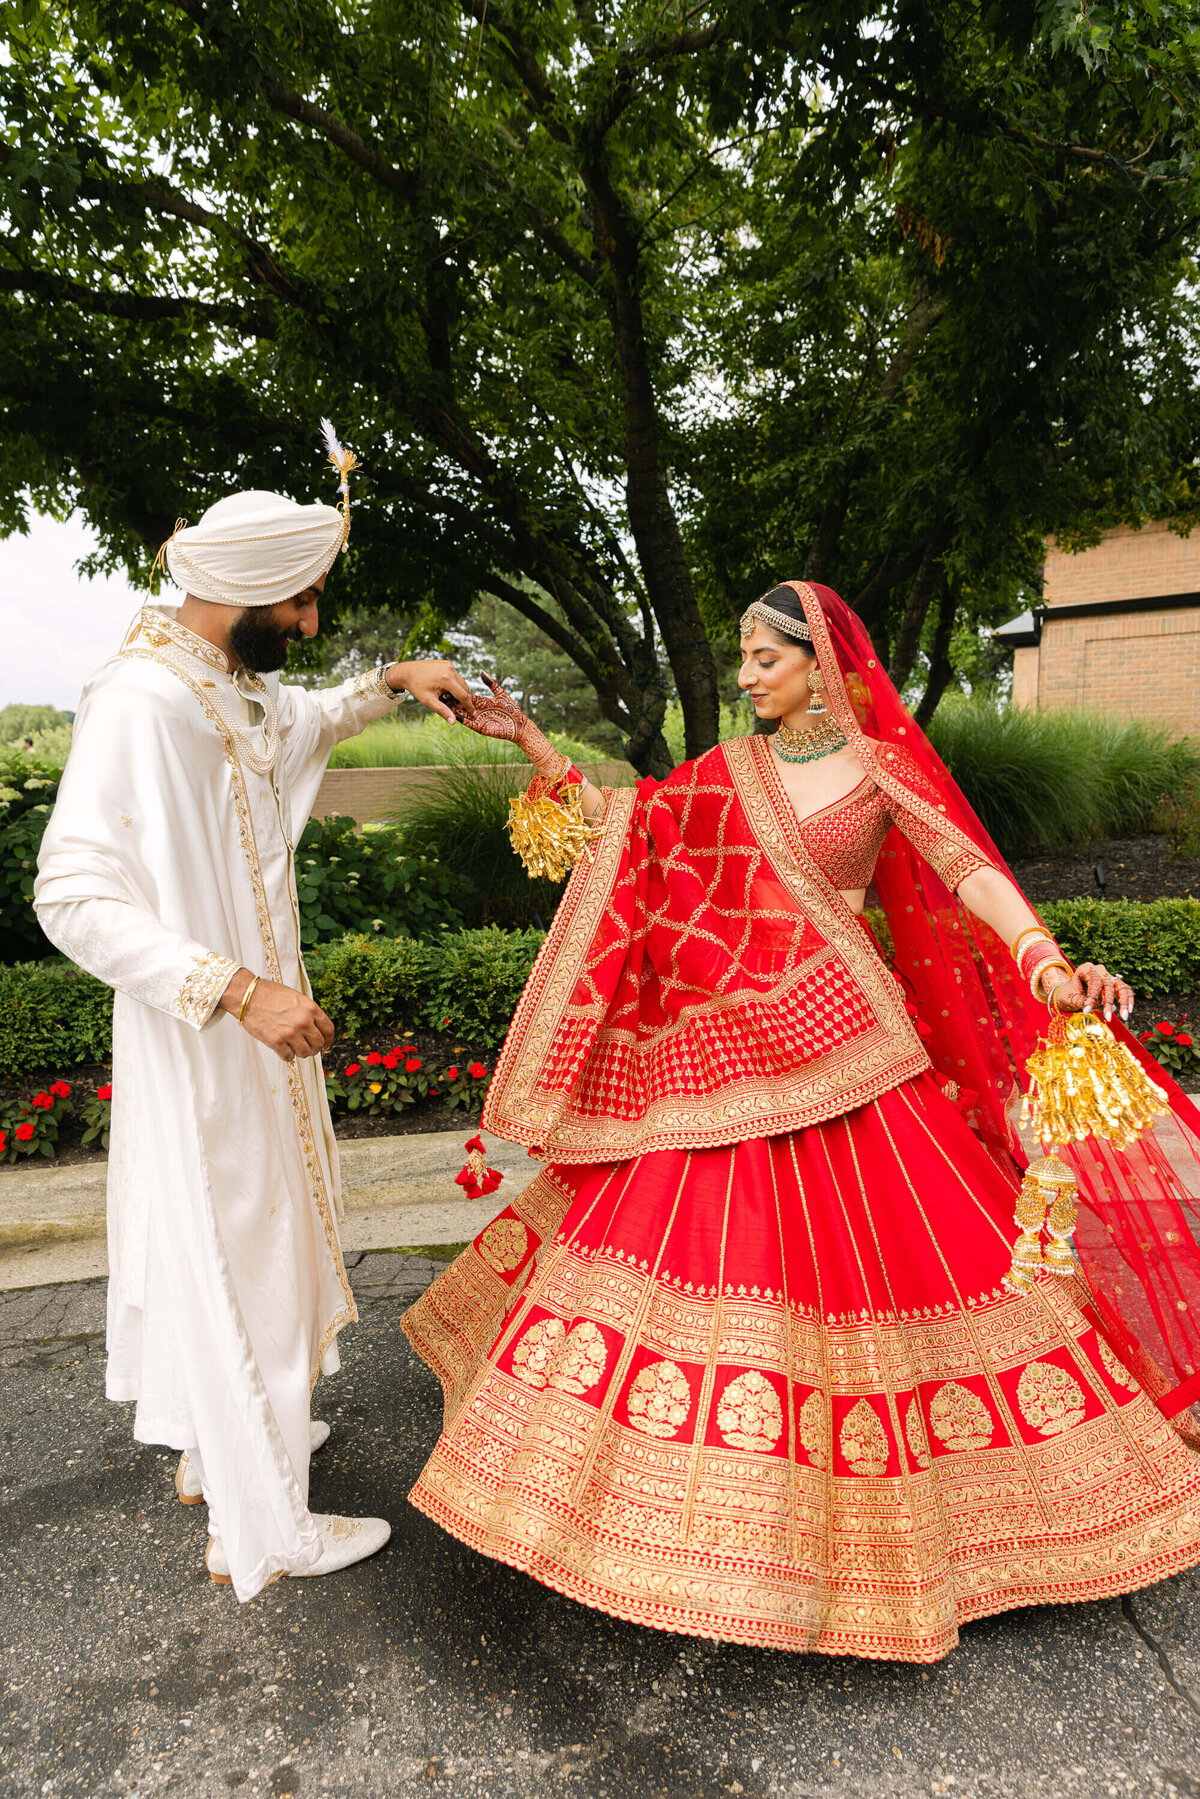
point(1154, 946)
point(350, 880)
point(27, 790)
point(460, 824)
point(52, 1015)
point(467, 982)
point(1038, 779)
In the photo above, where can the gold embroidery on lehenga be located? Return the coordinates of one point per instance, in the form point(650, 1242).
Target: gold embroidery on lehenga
point(503, 1244)
point(959, 1418)
point(582, 1360)
point(915, 1435)
point(863, 1439)
point(1115, 1369)
point(536, 1351)
point(660, 1399)
point(1050, 1399)
point(814, 1438)
point(749, 1415)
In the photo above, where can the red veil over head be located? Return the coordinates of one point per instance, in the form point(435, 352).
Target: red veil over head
point(1138, 1215)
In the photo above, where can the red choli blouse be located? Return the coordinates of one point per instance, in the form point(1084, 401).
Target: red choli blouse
point(844, 839)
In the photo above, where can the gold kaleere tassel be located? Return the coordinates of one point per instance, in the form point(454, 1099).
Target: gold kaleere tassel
point(550, 835)
point(1086, 1084)
point(1049, 1185)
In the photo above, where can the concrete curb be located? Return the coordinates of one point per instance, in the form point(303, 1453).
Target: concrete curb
point(398, 1192)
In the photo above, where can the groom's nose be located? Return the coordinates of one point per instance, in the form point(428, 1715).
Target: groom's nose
point(309, 622)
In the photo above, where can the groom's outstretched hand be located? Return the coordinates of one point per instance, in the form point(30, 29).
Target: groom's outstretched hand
point(437, 684)
point(286, 1021)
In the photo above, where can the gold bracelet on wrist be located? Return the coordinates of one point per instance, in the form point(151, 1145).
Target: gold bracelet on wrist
point(1043, 968)
point(1065, 981)
point(252, 984)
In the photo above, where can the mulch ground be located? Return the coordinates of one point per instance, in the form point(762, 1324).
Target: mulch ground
point(1135, 868)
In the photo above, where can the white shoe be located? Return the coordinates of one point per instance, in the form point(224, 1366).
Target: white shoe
point(343, 1541)
point(187, 1481)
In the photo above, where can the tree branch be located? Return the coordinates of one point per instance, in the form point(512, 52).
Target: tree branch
point(146, 308)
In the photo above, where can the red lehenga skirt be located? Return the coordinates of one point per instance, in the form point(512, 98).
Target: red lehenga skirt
point(776, 1394)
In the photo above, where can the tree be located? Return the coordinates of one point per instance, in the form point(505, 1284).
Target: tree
point(515, 249)
point(19, 720)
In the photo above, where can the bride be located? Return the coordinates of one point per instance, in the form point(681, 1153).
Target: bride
point(752, 1357)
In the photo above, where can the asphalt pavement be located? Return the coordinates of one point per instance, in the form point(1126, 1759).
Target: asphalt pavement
point(430, 1670)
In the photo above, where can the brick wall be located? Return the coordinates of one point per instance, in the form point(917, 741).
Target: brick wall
point(372, 793)
point(1134, 664)
point(1127, 565)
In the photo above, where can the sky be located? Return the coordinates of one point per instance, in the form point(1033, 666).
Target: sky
point(55, 626)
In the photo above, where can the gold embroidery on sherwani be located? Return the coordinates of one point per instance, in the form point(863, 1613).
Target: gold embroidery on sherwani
point(1050, 1399)
point(203, 986)
point(1116, 1370)
point(659, 1400)
point(165, 647)
point(504, 1243)
point(749, 1415)
point(959, 1417)
point(914, 1431)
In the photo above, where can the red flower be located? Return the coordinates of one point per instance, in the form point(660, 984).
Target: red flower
point(445, 1021)
point(413, 1063)
point(60, 1090)
point(104, 1092)
point(42, 1101)
point(1145, 1036)
point(1164, 1027)
point(374, 1058)
point(1184, 1039)
point(433, 1093)
point(353, 1068)
point(452, 1073)
point(3, 1143)
point(24, 1132)
point(477, 1071)
point(390, 1061)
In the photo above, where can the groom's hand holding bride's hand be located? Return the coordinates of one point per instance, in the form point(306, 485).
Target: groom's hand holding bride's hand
point(428, 682)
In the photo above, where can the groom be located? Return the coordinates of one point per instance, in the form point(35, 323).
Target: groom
point(167, 871)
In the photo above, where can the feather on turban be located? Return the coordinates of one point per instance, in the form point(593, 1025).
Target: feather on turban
point(254, 549)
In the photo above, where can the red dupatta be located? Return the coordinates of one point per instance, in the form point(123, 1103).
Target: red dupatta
point(1138, 1215)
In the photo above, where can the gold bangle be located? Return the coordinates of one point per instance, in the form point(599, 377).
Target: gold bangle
point(1036, 930)
point(253, 983)
point(1041, 969)
point(1050, 996)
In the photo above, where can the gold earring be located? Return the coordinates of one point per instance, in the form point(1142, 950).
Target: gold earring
point(816, 687)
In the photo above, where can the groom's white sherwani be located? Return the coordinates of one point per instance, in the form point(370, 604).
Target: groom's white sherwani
point(166, 865)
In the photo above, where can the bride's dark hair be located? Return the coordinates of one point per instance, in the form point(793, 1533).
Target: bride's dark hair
point(787, 600)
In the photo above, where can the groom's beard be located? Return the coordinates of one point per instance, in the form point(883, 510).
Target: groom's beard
point(259, 643)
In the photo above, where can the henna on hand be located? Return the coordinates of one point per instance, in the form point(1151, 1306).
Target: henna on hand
point(501, 718)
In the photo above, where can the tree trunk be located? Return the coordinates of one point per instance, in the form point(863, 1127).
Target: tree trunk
point(940, 670)
point(661, 555)
point(920, 597)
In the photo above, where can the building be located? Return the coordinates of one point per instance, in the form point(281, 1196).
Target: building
point(1118, 627)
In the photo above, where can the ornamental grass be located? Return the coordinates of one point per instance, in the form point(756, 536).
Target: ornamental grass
point(1042, 779)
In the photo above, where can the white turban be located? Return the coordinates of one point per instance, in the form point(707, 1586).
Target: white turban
point(253, 549)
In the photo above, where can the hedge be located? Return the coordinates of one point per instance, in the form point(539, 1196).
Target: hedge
point(468, 982)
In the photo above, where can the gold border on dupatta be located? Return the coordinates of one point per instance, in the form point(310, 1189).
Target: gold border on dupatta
point(164, 649)
point(845, 1077)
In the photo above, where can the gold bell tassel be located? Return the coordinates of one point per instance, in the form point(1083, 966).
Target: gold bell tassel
point(550, 835)
point(1048, 1186)
point(1086, 1084)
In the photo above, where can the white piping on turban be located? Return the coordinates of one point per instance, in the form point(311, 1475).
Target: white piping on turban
point(254, 549)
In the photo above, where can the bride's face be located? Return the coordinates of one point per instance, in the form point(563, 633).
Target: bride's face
point(775, 674)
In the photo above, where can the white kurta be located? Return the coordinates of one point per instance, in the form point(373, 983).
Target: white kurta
point(166, 865)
